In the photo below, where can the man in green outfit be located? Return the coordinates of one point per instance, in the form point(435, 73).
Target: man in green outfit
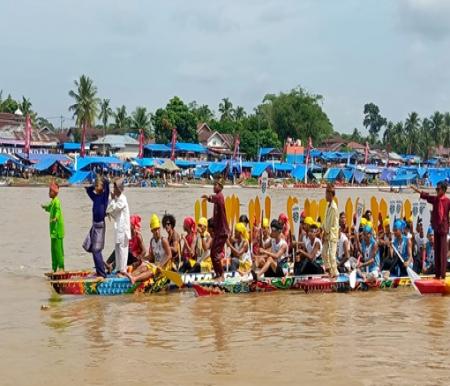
point(56, 227)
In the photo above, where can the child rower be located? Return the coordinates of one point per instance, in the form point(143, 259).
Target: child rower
point(307, 259)
point(56, 227)
point(401, 245)
point(273, 262)
point(173, 238)
point(369, 261)
point(343, 247)
point(240, 248)
point(428, 262)
point(159, 256)
point(188, 255)
point(203, 245)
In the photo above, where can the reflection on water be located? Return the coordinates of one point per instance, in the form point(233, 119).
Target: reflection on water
point(389, 338)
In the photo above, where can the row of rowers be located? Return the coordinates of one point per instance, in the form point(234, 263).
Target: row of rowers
point(270, 250)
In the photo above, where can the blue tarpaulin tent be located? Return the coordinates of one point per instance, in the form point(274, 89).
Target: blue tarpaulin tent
point(295, 158)
point(403, 179)
point(348, 174)
point(437, 175)
point(199, 172)
point(190, 147)
point(334, 174)
point(258, 168)
point(146, 162)
point(299, 172)
point(83, 162)
point(185, 164)
point(158, 148)
point(217, 167)
point(80, 177)
point(283, 167)
point(44, 164)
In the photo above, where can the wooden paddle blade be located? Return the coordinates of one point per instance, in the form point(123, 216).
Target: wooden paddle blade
point(237, 209)
point(322, 209)
point(374, 209)
point(407, 209)
point(352, 279)
point(289, 205)
point(205, 208)
point(349, 212)
point(294, 200)
point(251, 213)
point(383, 208)
point(267, 207)
point(314, 210)
point(307, 208)
point(228, 209)
point(197, 211)
point(174, 277)
point(257, 218)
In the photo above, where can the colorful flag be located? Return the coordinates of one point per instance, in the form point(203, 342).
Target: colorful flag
point(27, 135)
point(141, 144)
point(237, 142)
point(174, 142)
point(83, 140)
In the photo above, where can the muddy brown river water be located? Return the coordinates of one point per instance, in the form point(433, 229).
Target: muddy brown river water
point(284, 338)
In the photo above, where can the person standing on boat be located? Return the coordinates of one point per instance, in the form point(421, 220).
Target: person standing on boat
point(439, 223)
point(95, 240)
point(330, 232)
point(119, 211)
point(221, 229)
point(56, 227)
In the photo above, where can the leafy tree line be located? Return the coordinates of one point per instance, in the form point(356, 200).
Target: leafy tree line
point(414, 135)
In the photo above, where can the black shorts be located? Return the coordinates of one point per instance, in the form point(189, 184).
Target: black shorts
point(277, 273)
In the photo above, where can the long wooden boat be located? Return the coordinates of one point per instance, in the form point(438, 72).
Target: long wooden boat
point(80, 283)
point(433, 286)
point(307, 284)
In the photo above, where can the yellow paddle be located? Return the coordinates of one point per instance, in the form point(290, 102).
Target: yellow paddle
point(294, 200)
point(407, 209)
point(173, 276)
point(289, 205)
point(374, 209)
point(307, 208)
point(237, 209)
point(349, 213)
point(322, 209)
point(314, 209)
point(204, 208)
point(383, 209)
point(251, 213)
point(197, 211)
point(267, 207)
point(257, 211)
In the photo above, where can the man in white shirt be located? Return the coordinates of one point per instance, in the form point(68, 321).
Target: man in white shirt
point(120, 213)
point(331, 233)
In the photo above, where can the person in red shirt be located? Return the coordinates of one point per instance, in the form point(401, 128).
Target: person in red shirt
point(439, 223)
point(220, 226)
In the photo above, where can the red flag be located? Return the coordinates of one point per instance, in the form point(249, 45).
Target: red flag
point(237, 142)
point(366, 153)
point(174, 142)
point(27, 135)
point(83, 141)
point(141, 144)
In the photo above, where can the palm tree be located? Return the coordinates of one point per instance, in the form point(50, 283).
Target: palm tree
point(437, 127)
point(425, 138)
point(411, 128)
point(25, 106)
point(226, 109)
point(446, 130)
point(140, 119)
point(105, 113)
point(239, 113)
point(121, 119)
point(86, 102)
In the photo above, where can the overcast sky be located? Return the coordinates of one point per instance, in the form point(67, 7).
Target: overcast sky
point(395, 53)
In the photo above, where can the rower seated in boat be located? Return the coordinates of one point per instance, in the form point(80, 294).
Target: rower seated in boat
point(203, 245)
point(188, 255)
point(369, 261)
point(428, 261)
point(343, 259)
point(307, 261)
point(402, 245)
point(240, 249)
point(159, 256)
point(173, 238)
point(273, 262)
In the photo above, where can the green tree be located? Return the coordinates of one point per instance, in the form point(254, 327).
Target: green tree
point(25, 106)
point(437, 127)
point(105, 113)
point(140, 119)
point(9, 105)
point(411, 128)
point(239, 113)
point(425, 138)
point(226, 110)
point(202, 113)
point(86, 102)
point(121, 120)
point(446, 130)
point(297, 114)
point(373, 121)
point(176, 114)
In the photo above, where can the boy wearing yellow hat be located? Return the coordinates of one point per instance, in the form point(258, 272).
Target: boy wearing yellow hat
point(240, 249)
point(203, 245)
